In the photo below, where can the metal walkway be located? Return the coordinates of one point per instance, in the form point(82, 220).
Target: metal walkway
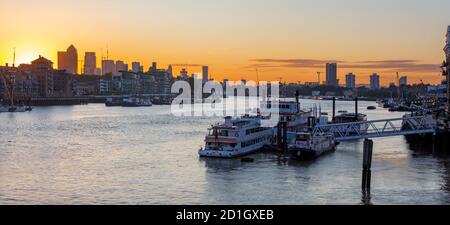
point(379, 128)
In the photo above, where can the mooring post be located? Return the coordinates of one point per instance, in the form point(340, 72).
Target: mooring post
point(334, 108)
point(367, 173)
point(285, 138)
point(279, 135)
point(367, 164)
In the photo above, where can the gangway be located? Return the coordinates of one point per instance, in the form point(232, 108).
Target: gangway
point(407, 125)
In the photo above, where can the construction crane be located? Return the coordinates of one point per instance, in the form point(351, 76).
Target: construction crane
point(398, 82)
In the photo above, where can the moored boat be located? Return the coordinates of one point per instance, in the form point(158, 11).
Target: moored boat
point(236, 137)
point(308, 146)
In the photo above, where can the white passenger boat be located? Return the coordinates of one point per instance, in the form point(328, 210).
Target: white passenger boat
point(236, 137)
point(308, 146)
point(290, 112)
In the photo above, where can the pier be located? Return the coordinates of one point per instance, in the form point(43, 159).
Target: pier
point(379, 128)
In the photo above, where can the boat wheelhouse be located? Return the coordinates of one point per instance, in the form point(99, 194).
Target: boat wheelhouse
point(236, 137)
point(290, 112)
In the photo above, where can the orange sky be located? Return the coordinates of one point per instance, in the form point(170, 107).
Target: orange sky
point(284, 38)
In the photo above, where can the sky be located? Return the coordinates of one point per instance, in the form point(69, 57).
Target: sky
point(291, 39)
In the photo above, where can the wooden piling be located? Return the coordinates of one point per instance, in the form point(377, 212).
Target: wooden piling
point(285, 138)
point(279, 135)
point(367, 173)
point(367, 164)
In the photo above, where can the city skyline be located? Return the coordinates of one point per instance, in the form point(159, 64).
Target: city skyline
point(281, 42)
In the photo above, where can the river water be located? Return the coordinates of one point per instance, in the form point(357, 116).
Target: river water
point(91, 154)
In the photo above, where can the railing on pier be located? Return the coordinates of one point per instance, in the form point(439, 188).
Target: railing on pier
point(379, 128)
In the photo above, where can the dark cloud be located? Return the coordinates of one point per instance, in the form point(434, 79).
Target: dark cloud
point(385, 65)
point(187, 65)
point(295, 63)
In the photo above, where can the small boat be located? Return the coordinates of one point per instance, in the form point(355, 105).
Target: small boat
point(236, 137)
point(371, 107)
point(307, 146)
point(16, 109)
point(136, 102)
point(111, 102)
point(4, 109)
point(342, 111)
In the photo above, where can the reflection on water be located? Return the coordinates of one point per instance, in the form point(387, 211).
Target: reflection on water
point(96, 155)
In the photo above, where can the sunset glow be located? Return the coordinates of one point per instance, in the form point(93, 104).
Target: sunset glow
point(287, 38)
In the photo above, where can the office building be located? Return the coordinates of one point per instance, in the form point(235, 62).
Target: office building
point(68, 60)
point(350, 80)
point(136, 67)
point(403, 81)
point(90, 63)
point(331, 73)
point(375, 82)
point(108, 67)
point(120, 65)
point(205, 74)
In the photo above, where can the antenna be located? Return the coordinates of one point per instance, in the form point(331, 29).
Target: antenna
point(257, 77)
point(14, 57)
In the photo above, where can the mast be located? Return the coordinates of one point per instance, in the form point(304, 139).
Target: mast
point(14, 57)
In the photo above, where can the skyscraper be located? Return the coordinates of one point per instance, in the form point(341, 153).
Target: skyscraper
point(205, 74)
point(332, 75)
point(170, 71)
point(154, 67)
point(350, 80)
point(119, 67)
point(403, 81)
point(136, 67)
point(184, 73)
point(108, 67)
point(68, 60)
point(90, 63)
point(375, 82)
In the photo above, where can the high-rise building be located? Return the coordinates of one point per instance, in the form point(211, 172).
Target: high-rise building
point(125, 67)
point(184, 73)
point(90, 63)
point(332, 74)
point(136, 67)
point(350, 80)
point(403, 81)
point(375, 82)
point(119, 67)
point(98, 71)
point(108, 67)
point(170, 71)
point(68, 60)
point(154, 67)
point(205, 74)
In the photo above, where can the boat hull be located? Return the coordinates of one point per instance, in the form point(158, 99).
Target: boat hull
point(309, 154)
point(230, 154)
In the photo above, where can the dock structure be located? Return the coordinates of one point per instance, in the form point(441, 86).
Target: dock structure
point(379, 128)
